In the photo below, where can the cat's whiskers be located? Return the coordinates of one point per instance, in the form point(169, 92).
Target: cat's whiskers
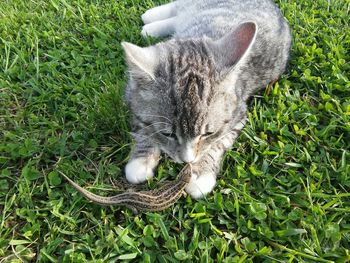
point(158, 116)
point(152, 124)
point(150, 135)
point(231, 131)
point(222, 136)
point(143, 128)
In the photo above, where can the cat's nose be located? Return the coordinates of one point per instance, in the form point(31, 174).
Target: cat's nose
point(188, 156)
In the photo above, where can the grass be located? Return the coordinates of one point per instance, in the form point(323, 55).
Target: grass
point(283, 193)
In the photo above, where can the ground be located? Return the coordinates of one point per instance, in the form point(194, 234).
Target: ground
point(283, 193)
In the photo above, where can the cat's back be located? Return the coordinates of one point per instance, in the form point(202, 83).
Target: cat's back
point(269, 52)
point(214, 18)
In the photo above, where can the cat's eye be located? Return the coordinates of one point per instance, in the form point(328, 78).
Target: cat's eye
point(207, 134)
point(169, 135)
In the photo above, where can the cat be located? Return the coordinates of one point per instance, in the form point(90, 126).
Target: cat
point(188, 94)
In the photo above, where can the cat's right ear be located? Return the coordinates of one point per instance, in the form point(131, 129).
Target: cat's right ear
point(141, 61)
point(231, 48)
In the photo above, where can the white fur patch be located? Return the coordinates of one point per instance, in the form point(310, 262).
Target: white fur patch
point(159, 28)
point(139, 170)
point(189, 154)
point(159, 13)
point(199, 186)
point(227, 142)
point(240, 125)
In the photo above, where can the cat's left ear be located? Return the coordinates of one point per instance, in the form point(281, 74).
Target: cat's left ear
point(141, 61)
point(232, 47)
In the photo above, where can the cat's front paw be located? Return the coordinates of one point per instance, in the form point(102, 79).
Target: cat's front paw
point(200, 185)
point(139, 170)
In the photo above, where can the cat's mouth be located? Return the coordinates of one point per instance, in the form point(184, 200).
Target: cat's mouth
point(190, 157)
point(187, 159)
point(177, 159)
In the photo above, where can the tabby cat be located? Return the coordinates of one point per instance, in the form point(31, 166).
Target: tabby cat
point(188, 95)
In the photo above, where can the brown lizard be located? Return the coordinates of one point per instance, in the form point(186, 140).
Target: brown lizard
point(152, 200)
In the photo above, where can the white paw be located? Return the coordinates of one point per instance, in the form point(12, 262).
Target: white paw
point(145, 32)
point(139, 170)
point(160, 28)
point(201, 185)
point(147, 17)
point(159, 13)
point(150, 30)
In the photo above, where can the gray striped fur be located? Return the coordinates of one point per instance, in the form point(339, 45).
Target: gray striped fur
point(188, 95)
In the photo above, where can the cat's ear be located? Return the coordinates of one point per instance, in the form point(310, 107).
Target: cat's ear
point(140, 60)
point(230, 49)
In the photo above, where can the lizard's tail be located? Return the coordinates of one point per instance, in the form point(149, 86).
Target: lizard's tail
point(102, 200)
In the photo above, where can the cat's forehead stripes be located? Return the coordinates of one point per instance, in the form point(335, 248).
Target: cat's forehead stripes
point(192, 76)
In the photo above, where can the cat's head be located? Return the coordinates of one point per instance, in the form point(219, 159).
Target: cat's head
point(182, 93)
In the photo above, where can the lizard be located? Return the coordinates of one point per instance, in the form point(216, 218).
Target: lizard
point(152, 200)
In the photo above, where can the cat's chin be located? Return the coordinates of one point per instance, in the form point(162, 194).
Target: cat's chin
point(175, 159)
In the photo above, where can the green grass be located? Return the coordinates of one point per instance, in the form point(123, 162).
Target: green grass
point(283, 194)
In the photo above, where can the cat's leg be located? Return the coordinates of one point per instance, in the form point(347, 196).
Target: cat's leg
point(159, 28)
point(142, 163)
point(205, 170)
point(159, 13)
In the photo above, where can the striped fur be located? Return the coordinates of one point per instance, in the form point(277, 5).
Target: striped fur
point(188, 94)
